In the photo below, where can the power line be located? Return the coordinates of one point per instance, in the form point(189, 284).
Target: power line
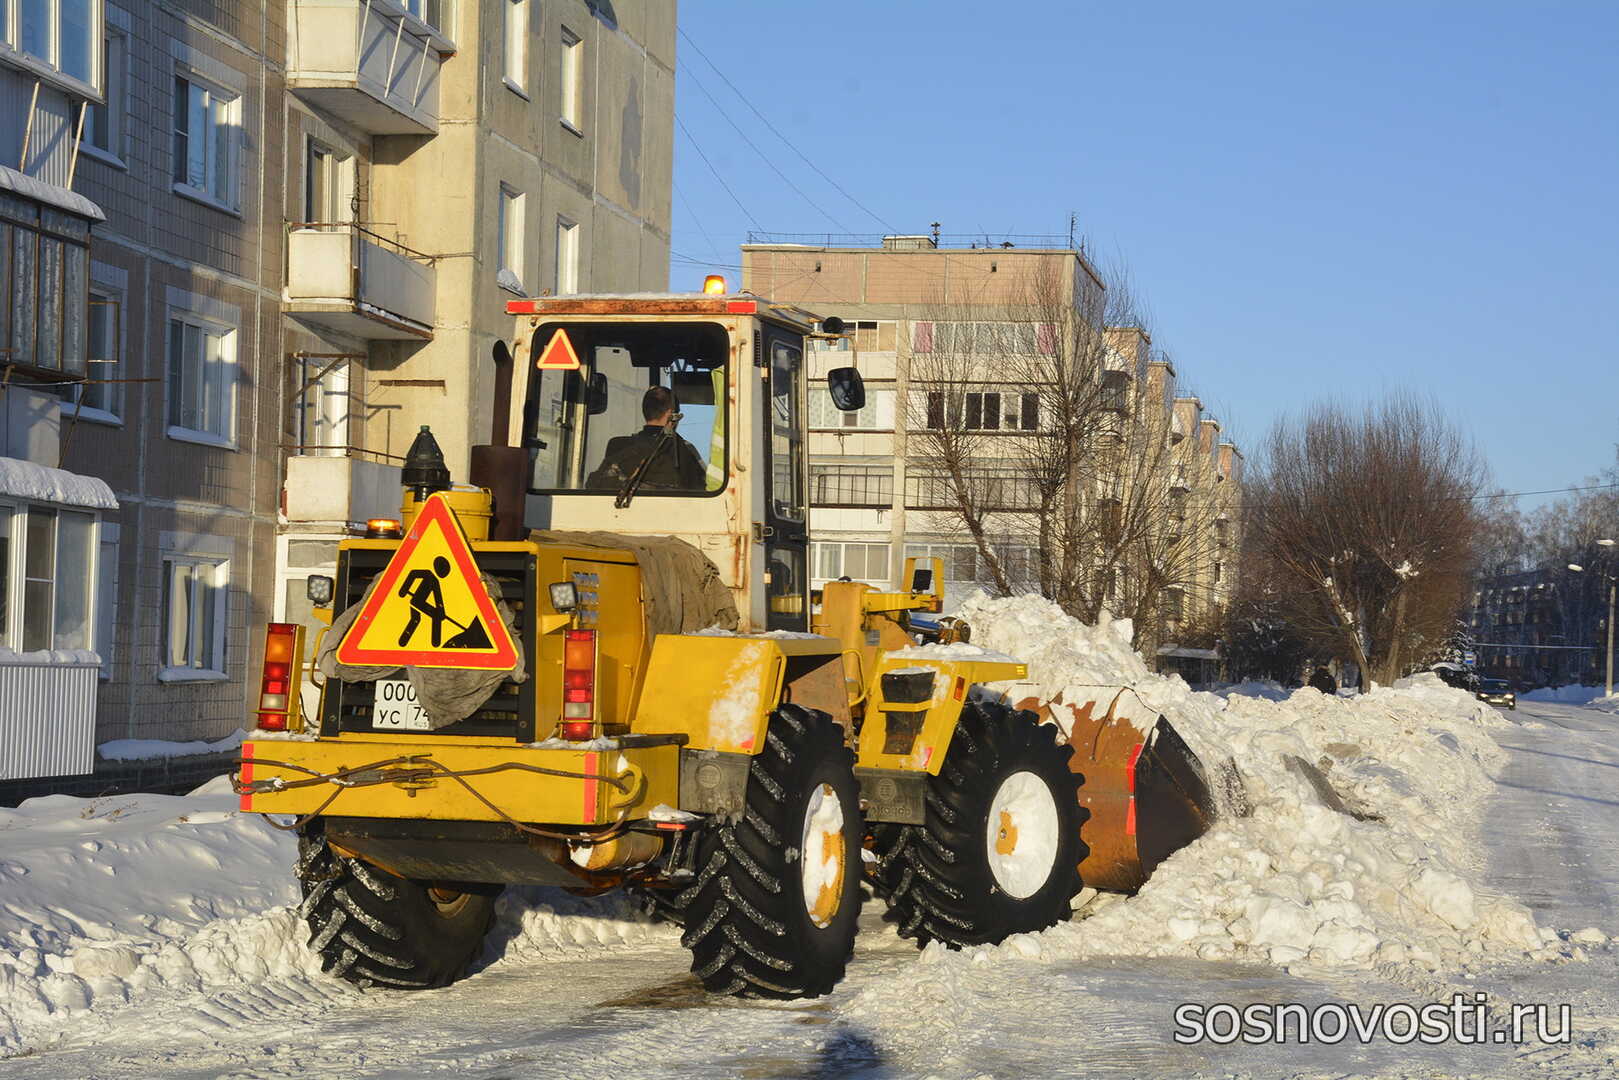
point(698, 147)
point(762, 155)
point(777, 132)
point(713, 247)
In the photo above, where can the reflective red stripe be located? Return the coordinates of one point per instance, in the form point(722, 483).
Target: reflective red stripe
point(247, 774)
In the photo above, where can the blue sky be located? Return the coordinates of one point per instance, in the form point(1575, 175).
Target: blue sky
point(1314, 200)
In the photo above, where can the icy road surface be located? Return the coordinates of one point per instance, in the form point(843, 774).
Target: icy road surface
point(585, 990)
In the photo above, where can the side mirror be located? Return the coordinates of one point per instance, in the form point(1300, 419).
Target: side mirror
point(596, 395)
point(848, 390)
point(831, 325)
point(318, 590)
point(922, 580)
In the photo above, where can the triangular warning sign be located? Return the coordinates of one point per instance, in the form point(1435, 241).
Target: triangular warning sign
point(558, 354)
point(430, 609)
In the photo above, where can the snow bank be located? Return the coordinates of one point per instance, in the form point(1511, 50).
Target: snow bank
point(178, 900)
point(42, 483)
point(150, 749)
point(1295, 882)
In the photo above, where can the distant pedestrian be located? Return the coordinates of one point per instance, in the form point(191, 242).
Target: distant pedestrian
point(1321, 679)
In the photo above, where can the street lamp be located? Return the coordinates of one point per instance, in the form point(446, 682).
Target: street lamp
point(1612, 583)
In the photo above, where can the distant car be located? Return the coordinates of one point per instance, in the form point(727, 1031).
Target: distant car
point(1497, 692)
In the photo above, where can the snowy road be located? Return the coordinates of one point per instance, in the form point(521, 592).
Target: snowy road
point(627, 1008)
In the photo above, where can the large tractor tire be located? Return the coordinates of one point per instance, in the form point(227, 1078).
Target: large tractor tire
point(374, 928)
point(999, 851)
point(776, 903)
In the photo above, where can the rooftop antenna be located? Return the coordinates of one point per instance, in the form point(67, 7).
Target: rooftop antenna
point(935, 234)
point(1072, 224)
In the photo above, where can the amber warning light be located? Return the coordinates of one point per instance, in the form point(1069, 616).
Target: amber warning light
point(713, 285)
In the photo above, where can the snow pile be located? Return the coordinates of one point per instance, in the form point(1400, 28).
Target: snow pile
point(533, 920)
point(104, 899)
point(42, 483)
point(150, 749)
point(1295, 882)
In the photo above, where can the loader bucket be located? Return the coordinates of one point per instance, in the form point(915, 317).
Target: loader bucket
point(1147, 795)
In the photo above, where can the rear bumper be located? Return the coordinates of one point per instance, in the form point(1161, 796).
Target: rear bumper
point(390, 777)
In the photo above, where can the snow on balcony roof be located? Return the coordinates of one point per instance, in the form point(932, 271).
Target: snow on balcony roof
point(60, 197)
point(40, 483)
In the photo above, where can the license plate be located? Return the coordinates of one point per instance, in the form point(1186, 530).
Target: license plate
point(396, 707)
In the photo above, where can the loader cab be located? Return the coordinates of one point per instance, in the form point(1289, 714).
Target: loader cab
point(730, 477)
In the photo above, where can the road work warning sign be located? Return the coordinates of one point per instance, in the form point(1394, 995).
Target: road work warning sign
point(558, 354)
point(430, 608)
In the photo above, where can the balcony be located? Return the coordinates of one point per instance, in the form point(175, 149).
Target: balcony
point(339, 490)
point(347, 278)
point(371, 63)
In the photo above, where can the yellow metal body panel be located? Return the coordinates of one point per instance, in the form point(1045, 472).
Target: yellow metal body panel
point(651, 773)
point(953, 681)
point(718, 691)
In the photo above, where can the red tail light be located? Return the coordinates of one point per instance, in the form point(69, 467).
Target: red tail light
point(579, 684)
point(278, 687)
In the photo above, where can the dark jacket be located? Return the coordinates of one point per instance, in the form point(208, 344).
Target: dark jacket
point(676, 467)
point(1323, 681)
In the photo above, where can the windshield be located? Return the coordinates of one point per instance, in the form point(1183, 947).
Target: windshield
point(646, 405)
point(1495, 684)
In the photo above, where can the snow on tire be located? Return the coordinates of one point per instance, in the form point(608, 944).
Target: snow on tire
point(374, 928)
point(775, 906)
point(999, 851)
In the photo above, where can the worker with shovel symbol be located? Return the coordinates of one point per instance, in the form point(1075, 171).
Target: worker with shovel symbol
point(426, 598)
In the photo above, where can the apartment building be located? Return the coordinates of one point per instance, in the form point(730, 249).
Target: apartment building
point(1541, 627)
point(930, 325)
point(263, 242)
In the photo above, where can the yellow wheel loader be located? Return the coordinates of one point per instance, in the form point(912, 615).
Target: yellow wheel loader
point(599, 663)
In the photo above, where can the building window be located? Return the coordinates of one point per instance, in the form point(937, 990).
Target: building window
point(1115, 395)
point(107, 596)
point(50, 604)
point(61, 33)
point(206, 121)
point(573, 77)
point(984, 338)
point(202, 380)
point(193, 616)
point(431, 12)
point(862, 334)
point(45, 276)
point(328, 185)
point(516, 12)
point(851, 485)
point(876, 415)
point(988, 410)
point(101, 398)
point(510, 254)
point(960, 560)
point(567, 256)
point(104, 126)
point(858, 562)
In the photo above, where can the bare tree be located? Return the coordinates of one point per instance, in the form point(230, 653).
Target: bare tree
point(1038, 433)
point(1370, 521)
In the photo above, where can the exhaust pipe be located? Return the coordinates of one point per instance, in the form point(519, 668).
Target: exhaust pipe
point(497, 466)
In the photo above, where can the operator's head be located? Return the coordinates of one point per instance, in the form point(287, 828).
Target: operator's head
point(657, 403)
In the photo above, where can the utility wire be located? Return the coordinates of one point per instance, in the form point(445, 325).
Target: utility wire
point(698, 147)
point(762, 155)
point(777, 132)
point(713, 247)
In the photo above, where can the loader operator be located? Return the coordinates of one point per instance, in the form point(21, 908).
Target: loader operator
point(674, 465)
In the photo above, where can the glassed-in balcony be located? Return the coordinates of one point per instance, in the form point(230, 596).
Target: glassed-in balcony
point(347, 278)
point(373, 63)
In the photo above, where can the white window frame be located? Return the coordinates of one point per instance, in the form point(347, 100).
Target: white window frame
point(226, 165)
point(227, 336)
point(50, 65)
point(514, 18)
point(213, 670)
point(114, 79)
point(14, 514)
point(105, 303)
point(567, 268)
point(106, 601)
point(838, 551)
point(572, 82)
point(510, 223)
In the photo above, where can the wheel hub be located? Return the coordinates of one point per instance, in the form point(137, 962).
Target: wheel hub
point(1021, 837)
point(824, 859)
